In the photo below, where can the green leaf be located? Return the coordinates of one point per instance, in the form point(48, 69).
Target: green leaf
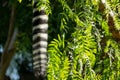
point(19, 1)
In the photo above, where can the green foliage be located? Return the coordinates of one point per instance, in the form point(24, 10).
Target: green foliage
point(81, 47)
point(44, 4)
point(58, 63)
point(94, 51)
point(19, 1)
point(84, 47)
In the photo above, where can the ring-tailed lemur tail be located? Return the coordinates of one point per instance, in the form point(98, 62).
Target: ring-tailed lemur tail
point(40, 37)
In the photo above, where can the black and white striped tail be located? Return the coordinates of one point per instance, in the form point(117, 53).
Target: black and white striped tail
point(40, 37)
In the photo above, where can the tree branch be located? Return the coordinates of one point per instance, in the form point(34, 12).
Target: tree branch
point(9, 49)
point(111, 22)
